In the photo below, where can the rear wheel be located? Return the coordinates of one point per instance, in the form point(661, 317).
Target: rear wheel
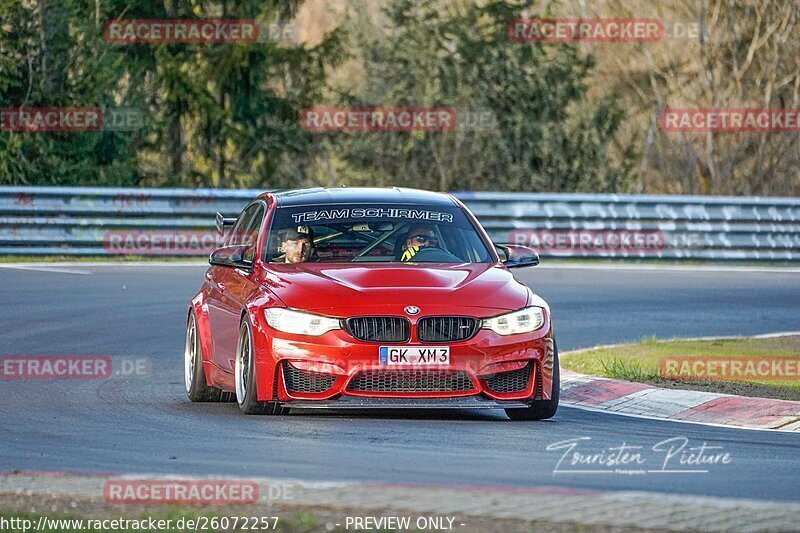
point(541, 409)
point(245, 378)
point(194, 376)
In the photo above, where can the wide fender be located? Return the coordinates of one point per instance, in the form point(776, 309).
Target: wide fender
point(199, 307)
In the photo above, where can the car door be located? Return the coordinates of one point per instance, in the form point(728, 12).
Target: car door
point(231, 287)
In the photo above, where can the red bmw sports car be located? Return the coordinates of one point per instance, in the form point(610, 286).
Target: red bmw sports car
point(368, 298)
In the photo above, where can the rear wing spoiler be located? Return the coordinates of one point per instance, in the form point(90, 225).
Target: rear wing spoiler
point(223, 223)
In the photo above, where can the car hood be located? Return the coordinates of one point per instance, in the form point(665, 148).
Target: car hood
point(344, 290)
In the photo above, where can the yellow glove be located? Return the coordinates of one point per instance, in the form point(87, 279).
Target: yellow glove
point(409, 253)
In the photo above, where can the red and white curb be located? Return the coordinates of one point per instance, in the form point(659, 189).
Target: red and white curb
point(639, 399)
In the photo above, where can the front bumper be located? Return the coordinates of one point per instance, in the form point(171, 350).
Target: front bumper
point(336, 370)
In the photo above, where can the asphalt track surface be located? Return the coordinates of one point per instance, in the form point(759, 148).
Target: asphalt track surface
point(146, 424)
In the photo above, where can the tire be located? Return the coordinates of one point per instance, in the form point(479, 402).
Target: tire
point(194, 377)
point(541, 409)
point(246, 382)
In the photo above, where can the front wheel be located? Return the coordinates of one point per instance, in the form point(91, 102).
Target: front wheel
point(245, 377)
point(541, 409)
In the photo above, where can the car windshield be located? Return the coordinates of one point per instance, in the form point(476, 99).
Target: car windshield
point(386, 233)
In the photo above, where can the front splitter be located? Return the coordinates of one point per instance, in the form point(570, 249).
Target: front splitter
point(358, 402)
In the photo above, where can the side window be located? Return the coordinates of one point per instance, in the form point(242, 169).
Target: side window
point(236, 232)
point(245, 231)
point(251, 232)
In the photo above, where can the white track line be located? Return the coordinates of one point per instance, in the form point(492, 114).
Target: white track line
point(55, 269)
point(68, 264)
point(774, 335)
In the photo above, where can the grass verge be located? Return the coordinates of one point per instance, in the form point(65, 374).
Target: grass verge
point(640, 362)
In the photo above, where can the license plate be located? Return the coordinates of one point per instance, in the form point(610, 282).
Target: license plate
point(414, 355)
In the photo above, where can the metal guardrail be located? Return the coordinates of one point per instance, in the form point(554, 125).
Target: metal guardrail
point(106, 221)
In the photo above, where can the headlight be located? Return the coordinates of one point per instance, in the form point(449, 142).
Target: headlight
point(522, 321)
point(299, 323)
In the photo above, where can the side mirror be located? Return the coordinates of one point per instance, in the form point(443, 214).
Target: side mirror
point(223, 223)
point(517, 256)
point(232, 256)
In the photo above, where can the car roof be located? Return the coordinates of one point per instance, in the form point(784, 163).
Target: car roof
point(355, 195)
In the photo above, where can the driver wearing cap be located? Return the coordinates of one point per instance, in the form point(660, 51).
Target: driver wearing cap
point(418, 236)
point(298, 244)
